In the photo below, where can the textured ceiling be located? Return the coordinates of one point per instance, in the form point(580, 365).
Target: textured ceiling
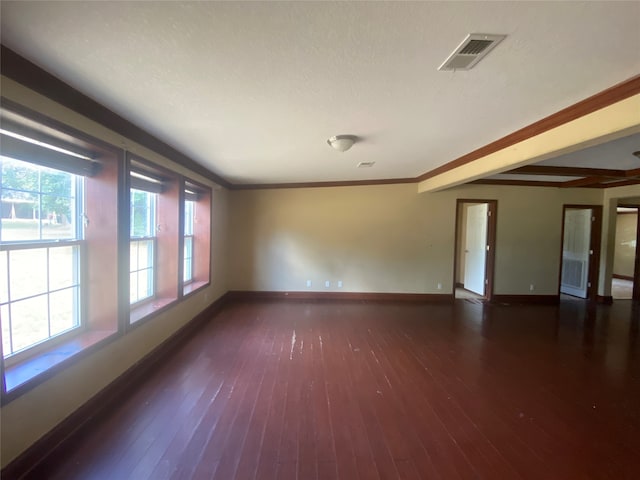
point(253, 90)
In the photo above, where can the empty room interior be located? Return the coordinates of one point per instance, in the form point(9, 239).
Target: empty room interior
point(320, 240)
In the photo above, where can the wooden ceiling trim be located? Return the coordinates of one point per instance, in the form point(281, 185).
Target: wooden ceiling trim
point(346, 183)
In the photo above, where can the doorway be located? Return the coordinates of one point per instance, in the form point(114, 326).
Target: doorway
point(626, 262)
point(475, 248)
point(580, 255)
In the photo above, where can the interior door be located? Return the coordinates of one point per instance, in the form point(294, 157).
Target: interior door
point(476, 248)
point(575, 252)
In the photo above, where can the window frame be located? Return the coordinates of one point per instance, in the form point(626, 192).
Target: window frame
point(191, 237)
point(28, 368)
point(75, 241)
point(153, 240)
point(202, 196)
point(145, 175)
point(151, 274)
point(52, 340)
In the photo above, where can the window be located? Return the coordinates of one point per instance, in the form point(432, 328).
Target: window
point(59, 253)
point(142, 245)
point(40, 255)
point(189, 212)
point(196, 237)
point(154, 231)
point(73, 266)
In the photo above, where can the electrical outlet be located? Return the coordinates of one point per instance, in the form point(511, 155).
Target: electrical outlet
point(308, 283)
point(327, 284)
point(439, 286)
point(339, 283)
point(532, 287)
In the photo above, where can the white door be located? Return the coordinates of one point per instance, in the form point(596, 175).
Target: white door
point(575, 252)
point(476, 248)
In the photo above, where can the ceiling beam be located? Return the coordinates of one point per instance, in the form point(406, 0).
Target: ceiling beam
point(566, 171)
point(632, 173)
point(582, 182)
point(599, 101)
point(621, 183)
point(625, 177)
point(515, 183)
point(615, 121)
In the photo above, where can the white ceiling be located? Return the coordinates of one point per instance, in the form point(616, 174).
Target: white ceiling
point(253, 90)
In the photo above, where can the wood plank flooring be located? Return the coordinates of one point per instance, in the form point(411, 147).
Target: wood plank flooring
point(381, 391)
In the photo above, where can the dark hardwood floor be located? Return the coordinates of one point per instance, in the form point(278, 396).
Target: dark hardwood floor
point(367, 391)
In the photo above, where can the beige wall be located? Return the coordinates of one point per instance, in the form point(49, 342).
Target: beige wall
point(389, 239)
point(33, 414)
point(625, 249)
point(373, 238)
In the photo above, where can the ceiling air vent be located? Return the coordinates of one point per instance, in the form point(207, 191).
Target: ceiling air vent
point(365, 164)
point(471, 51)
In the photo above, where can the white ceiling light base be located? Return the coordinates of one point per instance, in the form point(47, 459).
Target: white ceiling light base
point(342, 143)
